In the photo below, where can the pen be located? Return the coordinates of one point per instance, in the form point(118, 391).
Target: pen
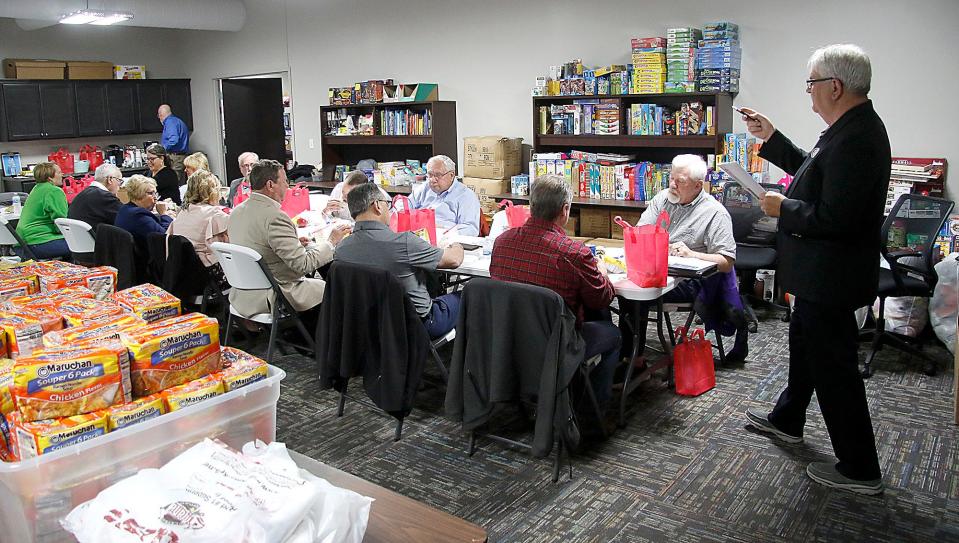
point(749, 116)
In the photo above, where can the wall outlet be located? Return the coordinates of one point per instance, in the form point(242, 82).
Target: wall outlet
point(312, 145)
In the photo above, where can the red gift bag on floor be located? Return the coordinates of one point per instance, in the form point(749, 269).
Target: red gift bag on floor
point(693, 363)
point(647, 251)
point(421, 222)
point(296, 201)
point(516, 216)
point(242, 193)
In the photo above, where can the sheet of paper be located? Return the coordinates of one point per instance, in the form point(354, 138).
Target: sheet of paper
point(686, 263)
point(743, 178)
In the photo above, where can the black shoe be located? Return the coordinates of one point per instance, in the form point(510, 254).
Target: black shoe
point(761, 422)
point(735, 357)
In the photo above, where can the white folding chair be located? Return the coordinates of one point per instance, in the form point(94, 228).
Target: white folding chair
point(244, 270)
point(79, 237)
point(9, 237)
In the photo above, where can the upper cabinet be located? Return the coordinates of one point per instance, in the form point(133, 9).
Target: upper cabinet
point(35, 110)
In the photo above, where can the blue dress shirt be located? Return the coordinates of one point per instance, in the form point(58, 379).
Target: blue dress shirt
point(176, 136)
point(456, 205)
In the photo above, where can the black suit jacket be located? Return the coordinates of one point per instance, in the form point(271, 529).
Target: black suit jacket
point(828, 242)
point(94, 206)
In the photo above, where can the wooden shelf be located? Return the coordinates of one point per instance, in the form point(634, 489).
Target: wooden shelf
point(378, 140)
point(580, 202)
point(591, 140)
point(666, 96)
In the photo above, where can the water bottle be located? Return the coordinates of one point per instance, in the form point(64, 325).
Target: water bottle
point(16, 204)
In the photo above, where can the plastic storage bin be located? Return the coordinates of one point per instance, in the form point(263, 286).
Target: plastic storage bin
point(35, 494)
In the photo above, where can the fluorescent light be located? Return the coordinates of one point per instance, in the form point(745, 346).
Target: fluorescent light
point(111, 18)
point(81, 17)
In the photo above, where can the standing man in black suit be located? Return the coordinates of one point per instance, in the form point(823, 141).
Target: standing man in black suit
point(828, 247)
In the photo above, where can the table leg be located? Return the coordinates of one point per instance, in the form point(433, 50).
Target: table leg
point(667, 345)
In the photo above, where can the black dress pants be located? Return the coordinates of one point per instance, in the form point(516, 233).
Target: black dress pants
point(823, 346)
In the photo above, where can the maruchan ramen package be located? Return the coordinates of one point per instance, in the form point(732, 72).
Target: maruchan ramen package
point(22, 272)
point(172, 352)
point(82, 311)
point(6, 383)
point(6, 445)
point(3, 344)
point(149, 302)
point(94, 332)
point(240, 369)
point(102, 280)
point(35, 438)
point(24, 329)
point(192, 393)
point(10, 288)
point(139, 410)
point(48, 300)
point(70, 381)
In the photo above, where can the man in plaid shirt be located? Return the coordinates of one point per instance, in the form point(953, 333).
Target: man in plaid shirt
point(540, 253)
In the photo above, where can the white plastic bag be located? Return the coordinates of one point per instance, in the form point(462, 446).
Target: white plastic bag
point(211, 493)
point(906, 315)
point(944, 306)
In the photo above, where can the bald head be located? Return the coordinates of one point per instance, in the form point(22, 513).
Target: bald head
point(163, 112)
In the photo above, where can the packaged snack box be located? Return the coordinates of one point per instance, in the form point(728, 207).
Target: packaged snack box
point(192, 393)
point(22, 272)
point(149, 302)
point(172, 352)
point(139, 410)
point(240, 369)
point(24, 329)
point(6, 448)
point(70, 381)
point(35, 438)
point(94, 332)
point(6, 383)
point(82, 311)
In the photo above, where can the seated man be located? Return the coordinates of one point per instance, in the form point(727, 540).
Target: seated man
point(455, 203)
point(540, 253)
point(404, 254)
point(259, 224)
point(246, 161)
point(98, 203)
point(699, 227)
point(336, 207)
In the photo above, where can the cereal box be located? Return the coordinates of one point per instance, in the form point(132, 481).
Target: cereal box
point(172, 352)
point(240, 369)
point(192, 393)
point(81, 311)
point(149, 302)
point(24, 329)
point(69, 381)
point(35, 438)
point(6, 382)
point(93, 333)
point(139, 410)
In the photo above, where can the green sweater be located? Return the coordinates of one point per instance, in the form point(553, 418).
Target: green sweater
point(46, 203)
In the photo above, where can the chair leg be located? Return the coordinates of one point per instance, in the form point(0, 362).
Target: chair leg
point(877, 339)
point(342, 403)
point(303, 331)
point(929, 368)
point(720, 348)
point(472, 445)
point(399, 430)
point(558, 460)
point(274, 328)
point(669, 328)
point(444, 373)
point(229, 323)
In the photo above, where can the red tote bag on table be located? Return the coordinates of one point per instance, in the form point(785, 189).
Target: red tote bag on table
point(695, 371)
point(647, 251)
point(516, 216)
point(63, 159)
point(421, 222)
point(296, 201)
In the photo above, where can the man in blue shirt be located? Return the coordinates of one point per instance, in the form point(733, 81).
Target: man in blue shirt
point(455, 204)
point(175, 139)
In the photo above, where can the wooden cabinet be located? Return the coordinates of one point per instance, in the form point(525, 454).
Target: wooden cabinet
point(173, 92)
point(33, 110)
point(104, 108)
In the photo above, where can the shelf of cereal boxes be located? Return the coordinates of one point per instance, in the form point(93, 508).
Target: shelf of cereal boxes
point(82, 454)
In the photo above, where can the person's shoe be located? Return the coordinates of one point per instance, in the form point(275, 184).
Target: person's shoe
point(761, 422)
point(826, 474)
point(735, 358)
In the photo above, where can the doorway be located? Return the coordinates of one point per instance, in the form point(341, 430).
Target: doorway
point(252, 115)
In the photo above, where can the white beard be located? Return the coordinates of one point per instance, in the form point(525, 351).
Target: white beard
point(672, 197)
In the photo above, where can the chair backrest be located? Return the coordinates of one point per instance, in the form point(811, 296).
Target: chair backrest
point(242, 266)
point(78, 235)
point(117, 248)
point(9, 236)
point(750, 225)
point(911, 227)
point(184, 274)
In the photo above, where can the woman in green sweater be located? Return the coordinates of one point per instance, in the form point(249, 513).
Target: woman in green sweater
point(45, 203)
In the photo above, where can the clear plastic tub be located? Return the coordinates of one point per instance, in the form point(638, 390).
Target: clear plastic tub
point(37, 493)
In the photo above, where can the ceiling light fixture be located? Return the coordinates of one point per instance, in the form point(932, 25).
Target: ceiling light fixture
point(112, 18)
point(94, 17)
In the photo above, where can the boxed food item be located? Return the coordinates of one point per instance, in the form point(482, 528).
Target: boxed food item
point(172, 352)
point(492, 157)
point(149, 302)
point(89, 69)
point(240, 369)
point(139, 410)
point(35, 438)
point(24, 329)
point(129, 71)
point(21, 272)
point(89, 311)
point(70, 381)
point(487, 187)
point(6, 382)
point(192, 393)
point(21, 68)
point(94, 332)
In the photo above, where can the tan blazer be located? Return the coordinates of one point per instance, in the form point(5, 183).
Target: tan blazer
point(259, 224)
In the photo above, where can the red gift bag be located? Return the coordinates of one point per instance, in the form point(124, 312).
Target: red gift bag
point(242, 193)
point(69, 188)
point(421, 222)
point(647, 251)
point(92, 154)
point(693, 361)
point(296, 201)
point(63, 159)
point(516, 216)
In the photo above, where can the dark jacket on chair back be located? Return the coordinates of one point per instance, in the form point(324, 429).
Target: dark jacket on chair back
point(513, 342)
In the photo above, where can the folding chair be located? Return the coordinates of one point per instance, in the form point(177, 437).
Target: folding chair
point(245, 270)
point(9, 237)
point(79, 237)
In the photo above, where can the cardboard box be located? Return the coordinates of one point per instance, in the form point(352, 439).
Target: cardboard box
point(487, 187)
point(493, 157)
point(632, 217)
point(17, 68)
point(83, 69)
point(594, 223)
point(572, 227)
point(129, 72)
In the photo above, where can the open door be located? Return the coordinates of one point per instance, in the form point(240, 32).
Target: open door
point(252, 120)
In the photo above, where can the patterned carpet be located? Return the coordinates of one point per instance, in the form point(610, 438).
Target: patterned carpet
point(684, 469)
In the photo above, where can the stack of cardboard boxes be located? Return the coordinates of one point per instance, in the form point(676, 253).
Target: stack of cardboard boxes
point(489, 163)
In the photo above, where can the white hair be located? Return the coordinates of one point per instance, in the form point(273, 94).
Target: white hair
point(845, 62)
point(447, 162)
point(106, 170)
point(248, 154)
point(694, 166)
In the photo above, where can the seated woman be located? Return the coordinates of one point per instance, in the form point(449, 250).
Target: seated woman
point(194, 162)
point(46, 203)
point(138, 217)
point(167, 181)
point(202, 220)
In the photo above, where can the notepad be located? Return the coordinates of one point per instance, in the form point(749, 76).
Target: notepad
point(743, 178)
point(692, 264)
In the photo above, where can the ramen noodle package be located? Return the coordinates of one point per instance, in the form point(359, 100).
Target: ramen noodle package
point(192, 393)
point(6, 384)
point(10, 288)
point(48, 300)
point(240, 369)
point(22, 272)
point(3, 344)
point(139, 410)
point(172, 352)
point(94, 332)
point(149, 302)
point(69, 381)
point(35, 438)
point(6, 445)
point(82, 311)
point(102, 280)
point(24, 329)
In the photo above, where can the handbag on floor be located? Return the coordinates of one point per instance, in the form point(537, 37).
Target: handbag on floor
point(693, 363)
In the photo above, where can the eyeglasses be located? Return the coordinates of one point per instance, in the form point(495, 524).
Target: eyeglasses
point(151, 193)
point(435, 175)
point(811, 82)
point(153, 157)
point(389, 203)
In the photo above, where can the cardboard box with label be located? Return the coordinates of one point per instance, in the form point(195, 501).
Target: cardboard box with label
point(594, 223)
point(493, 157)
point(131, 71)
point(18, 68)
point(83, 69)
point(631, 217)
point(487, 187)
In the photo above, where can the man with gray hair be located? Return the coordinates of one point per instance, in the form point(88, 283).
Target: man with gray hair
point(456, 205)
point(828, 239)
point(98, 203)
point(540, 253)
point(246, 160)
